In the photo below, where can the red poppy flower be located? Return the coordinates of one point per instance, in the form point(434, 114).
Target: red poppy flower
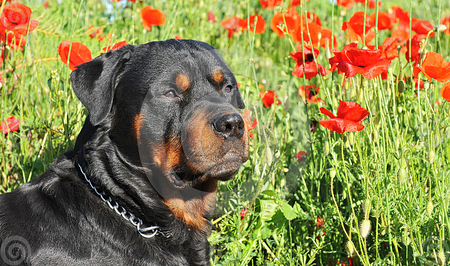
point(371, 3)
point(10, 125)
point(312, 17)
point(340, 57)
point(301, 156)
point(385, 20)
point(243, 213)
point(115, 46)
point(233, 25)
point(17, 17)
point(319, 36)
point(248, 124)
point(211, 17)
point(422, 27)
point(15, 41)
point(79, 54)
point(310, 69)
point(402, 34)
point(401, 15)
point(95, 32)
point(434, 66)
point(152, 17)
point(416, 50)
point(446, 21)
point(445, 91)
point(356, 28)
point(270, 4)
point(260, 26)
point(310, 93)
point(268, 98)
point(278, 22)
point(347, 4)
point(352, 61)
point(389, 48)
point(348, 119)
point(320, 222)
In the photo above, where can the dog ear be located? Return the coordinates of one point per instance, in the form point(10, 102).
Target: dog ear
point(94, 82)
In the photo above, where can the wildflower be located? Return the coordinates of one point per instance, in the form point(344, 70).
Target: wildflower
point(309, 70)
point(446, 22)
point(301, 156)
point(348, 119)
point(445, 91)
point(11, 124)
point(268, 98)
point(17, 18)
point(389, 48)
point(319, 36)
point(401, 15)
point(359, 24)
point(371, 3)
point(277, 23)
point(320, 222)
point(152, 17)
point(385, 20)
point(415, 50)
point(347, 4)
point(270, 4)
point(248, 124)
point(260, 26)
point(310, 93)
point(96, 33)
point(243, 213)
point(352, 61)
point(115, 46)
point(211, 17)
point(434, 66)
point(422, 27)
point(233, 25)
point(79, 54)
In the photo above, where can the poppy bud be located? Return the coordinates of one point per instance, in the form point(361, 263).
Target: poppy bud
point(441, 257)
point(402, 174)
point(430, 207)
point(350, 248)
point(426, 85)
point(401, 86)
point(364, 228)
point(405, 238)
point(441, 27)
point(269, 156)
point(326, 148)
point(332, 173)
point(431, 155)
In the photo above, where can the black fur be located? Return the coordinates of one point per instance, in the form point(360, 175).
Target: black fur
point(63, 221)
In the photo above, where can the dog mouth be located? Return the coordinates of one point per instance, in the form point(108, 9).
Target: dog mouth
point(222, 171)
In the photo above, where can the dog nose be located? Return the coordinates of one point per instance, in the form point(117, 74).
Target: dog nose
point(229, 125)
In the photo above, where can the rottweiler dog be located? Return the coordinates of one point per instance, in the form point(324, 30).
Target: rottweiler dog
point(163, 128)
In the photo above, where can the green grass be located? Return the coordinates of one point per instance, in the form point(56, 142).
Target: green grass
point(386, 173)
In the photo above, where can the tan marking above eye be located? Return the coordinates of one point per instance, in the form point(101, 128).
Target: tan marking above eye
point(182, 82)
point(217, 76)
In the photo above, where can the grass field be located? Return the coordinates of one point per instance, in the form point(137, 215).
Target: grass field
point(307, 195)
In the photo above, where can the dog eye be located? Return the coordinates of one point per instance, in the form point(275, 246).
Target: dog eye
point(170, 94)
point(228, 89)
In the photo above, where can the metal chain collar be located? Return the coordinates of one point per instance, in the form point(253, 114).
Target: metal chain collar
point(147, 232)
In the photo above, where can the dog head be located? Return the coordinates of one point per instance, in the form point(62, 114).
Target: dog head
point(170, 106)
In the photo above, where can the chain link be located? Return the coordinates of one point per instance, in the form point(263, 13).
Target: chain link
point(147, 232)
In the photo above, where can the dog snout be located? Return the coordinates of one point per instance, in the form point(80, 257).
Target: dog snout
point(229, 125)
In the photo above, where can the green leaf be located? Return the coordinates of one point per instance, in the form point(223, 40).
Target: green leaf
point(288, 211)
point(268, 209)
